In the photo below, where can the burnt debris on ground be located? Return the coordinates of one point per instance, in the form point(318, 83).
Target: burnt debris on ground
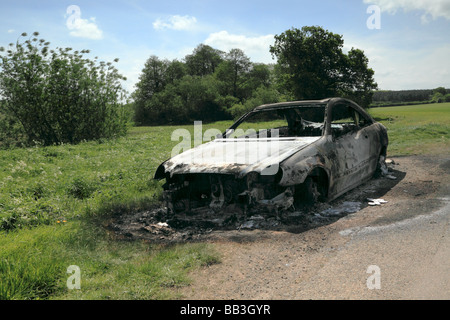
point(158, 226)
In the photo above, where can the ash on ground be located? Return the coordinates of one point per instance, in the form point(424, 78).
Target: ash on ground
point(157, 225)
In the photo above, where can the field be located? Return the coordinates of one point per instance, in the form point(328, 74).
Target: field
point(55, 200)
point(418, 129)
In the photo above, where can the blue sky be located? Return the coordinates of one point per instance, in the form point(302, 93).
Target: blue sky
point(409, 50)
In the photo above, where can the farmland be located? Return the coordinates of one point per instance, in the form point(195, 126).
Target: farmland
point(419, 129)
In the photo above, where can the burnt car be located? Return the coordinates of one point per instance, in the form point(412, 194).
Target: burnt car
point(281, 155)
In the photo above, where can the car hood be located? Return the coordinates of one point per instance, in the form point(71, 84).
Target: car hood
point(237, 156)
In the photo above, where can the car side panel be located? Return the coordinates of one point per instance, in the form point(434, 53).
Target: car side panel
point(348, 161)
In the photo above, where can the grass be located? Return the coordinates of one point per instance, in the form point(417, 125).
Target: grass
point(418, 129)
point(42, 185)
point(51, 200)
point(34, 262)
point(54, 199)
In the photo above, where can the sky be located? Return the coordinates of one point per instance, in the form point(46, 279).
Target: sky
point(407, 42)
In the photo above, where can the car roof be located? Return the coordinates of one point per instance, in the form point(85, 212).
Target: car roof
point(300, 103)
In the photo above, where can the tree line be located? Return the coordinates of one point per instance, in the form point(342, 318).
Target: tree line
point(392, 97)
point(208, 85)
point(50, 96)
point(211, 85)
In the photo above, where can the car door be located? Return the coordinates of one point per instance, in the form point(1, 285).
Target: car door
point(352, 143)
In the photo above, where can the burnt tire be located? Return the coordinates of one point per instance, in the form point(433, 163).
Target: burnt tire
point(308, 193)
point(312, 194)
point(381, 167)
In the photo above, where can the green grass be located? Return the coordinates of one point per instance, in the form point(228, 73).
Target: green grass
point(48, 201)
point(53, 201)
point(33, 264)
point(418, 129)
point(45, 184)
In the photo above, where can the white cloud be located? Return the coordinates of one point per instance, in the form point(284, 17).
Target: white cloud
point(398, 68)
point(11, 31)
point(82, 28)
point(256, 48)
point(432, 8)
point(85, 29)
point(175, 22)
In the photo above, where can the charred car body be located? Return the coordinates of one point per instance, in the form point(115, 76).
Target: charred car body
point(281, 155)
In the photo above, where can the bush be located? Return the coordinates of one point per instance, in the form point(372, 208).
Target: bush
point(437, 97)
point(59, 95)
point(262, 95)
point(447, 97)
point(11, 132)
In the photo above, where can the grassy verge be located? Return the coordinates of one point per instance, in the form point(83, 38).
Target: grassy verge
point(53, 199)
point(34, 262)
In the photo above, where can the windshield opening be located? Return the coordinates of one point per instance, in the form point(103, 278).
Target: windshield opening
point(304, 121)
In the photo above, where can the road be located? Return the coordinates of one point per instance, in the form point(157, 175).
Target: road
point(396, 250)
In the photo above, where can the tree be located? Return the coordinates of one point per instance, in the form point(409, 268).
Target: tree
point(205, 87)
point(259, 75)
point(447, 97)
point(437, 97)
point(358, 83)
point(11, 132)
point(440, 90)
point(200, 99)
point(440, 95)
point(175, 70)
point(203, 61)
point(390, 96)
point(59, 95)
point(261, 95)
point(155, 76)
point(312, 65)
point(233, 71)
point(152, 79)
